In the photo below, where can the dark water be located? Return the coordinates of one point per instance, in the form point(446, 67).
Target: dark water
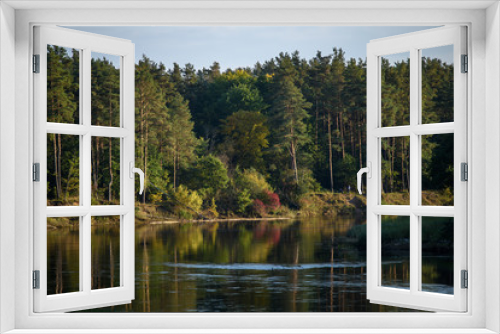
point(303, 265)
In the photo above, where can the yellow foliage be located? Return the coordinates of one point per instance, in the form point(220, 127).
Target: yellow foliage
point(186, 201)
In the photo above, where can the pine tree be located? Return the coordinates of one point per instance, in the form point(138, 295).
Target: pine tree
point(289, 113)
point(149, 107)
point(181, 140)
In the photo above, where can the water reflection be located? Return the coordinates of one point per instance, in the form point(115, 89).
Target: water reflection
point(284, 266)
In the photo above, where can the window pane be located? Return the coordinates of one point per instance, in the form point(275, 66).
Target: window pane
point(395, 170)
point(63, 85)
point(63, 254)
point(437, 84)
point(395, 78)
point(105, 252)
point(63, 170)
point(395, 251)
point(437, 254)
point(437, 170)
point(105, 171)
point(105, 89)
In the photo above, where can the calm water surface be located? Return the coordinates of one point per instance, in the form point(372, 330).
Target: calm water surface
point(306, 265)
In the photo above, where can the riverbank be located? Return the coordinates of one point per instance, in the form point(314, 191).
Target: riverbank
point(319, 204)
point(217, 220)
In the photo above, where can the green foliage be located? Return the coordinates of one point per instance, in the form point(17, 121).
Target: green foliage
point(186, 202)
point(213, 208)
point(180, 140)
point(208, 175)
point(252, 181)
point(244, 200)
point(246, 135)
point(151, 117)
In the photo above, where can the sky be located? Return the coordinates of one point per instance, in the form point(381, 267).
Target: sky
point(242, 46)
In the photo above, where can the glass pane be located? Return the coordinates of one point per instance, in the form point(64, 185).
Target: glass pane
point(105, 252)
point(105, 89)
point(437, 254)
point(395, 170)
point(63, 170)
point(395, 78)
point(63, 255)
point(63, 85)
point(437, 170)
point(105, 171)
point(437, 84)
point(395, 251)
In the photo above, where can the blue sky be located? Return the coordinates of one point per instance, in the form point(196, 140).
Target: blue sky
point(241, 46)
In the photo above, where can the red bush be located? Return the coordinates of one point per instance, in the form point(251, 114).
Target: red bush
point(271, 200)
point(259, 207)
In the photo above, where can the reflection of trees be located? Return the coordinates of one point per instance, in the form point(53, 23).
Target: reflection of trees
point(105, 252)
point(145, 282)
point(163, 286)
point(63, 273)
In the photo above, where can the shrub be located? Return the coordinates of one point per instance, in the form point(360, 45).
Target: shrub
point(186, 202)
point(253, 181)
point(271, 200)
point(243, 200)
point(208, 176)
point(213, 208)
point(259, 207)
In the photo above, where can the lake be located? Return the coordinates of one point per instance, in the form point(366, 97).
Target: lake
point(299, 265)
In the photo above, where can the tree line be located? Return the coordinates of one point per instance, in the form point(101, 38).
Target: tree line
point(244, 141)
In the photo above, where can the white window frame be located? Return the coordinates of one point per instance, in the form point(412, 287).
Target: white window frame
point(86, 43)
point(414, 43)
point(483, 250)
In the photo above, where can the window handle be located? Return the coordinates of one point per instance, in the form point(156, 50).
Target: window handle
point(368, 171)
point(134, 170)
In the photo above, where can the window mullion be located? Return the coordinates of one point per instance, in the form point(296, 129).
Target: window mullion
point(86, 173)
point(415, 268)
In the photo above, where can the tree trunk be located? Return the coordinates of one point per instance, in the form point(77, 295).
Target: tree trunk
point(293, 154)
point(145, 163)
point(341, 116)
point(393, 149)
point(55, 163)
point(59, 169)
point(316, 121)
point(110, 186)
point(175, 169)
point(330, 152)
point(111, 176)
point(402, 163)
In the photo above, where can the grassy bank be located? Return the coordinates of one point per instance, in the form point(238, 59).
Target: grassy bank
point(318, 204)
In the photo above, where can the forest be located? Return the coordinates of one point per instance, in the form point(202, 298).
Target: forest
point(248, 142)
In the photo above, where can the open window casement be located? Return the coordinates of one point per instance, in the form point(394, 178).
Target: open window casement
point(405, 135)
point(66, 135)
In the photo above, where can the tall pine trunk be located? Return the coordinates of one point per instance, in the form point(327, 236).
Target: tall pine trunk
point(175, 169)
point(111, 175)
point(59, 169)
point(145, 163)
point(56, 169)
point(330, 152)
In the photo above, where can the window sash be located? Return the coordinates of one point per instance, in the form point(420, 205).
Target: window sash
point(87, 297)
point(413, 43)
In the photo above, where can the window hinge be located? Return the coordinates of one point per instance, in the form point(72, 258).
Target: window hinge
point(465, 279)
point(465, 63)
point(36, 279)
point(36, 63)
point(464, 171)
point(36, 172)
